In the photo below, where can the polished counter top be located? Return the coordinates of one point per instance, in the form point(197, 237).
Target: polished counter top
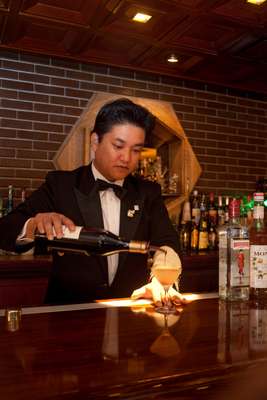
point(125, 350)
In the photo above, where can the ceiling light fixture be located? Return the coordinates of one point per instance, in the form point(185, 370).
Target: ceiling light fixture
point(140, 17)
point(257, 2)
point(172, 59)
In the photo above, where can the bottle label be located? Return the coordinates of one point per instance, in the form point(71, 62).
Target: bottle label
point(194, 238)
point(239, 269)
point(196, 214)
point(258, 266)
point(71, 235)
point(203, 240)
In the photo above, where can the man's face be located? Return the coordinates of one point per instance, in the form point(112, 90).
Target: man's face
point(117, 155)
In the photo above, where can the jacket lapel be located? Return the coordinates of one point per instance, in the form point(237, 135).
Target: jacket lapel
point(88, 200)
point(130, 216)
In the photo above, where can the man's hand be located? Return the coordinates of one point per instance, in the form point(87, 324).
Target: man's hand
point(50, 224)
point(155, 291)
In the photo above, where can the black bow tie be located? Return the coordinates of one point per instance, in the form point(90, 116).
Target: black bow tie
point(118, 190)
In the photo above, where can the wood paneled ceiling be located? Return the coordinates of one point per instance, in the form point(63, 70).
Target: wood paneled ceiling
point(217, 41)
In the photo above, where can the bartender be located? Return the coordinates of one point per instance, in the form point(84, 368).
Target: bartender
point(75, 198)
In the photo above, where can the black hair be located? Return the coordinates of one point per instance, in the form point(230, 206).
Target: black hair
point(123, 111)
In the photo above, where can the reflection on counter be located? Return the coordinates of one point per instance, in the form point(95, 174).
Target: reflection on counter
point(242, 331)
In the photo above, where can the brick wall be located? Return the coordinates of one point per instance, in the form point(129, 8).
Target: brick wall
point(42, 97)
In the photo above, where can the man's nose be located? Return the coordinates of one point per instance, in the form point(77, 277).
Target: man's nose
point(126, 155)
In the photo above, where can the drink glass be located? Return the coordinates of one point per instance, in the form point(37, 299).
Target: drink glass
point(166, 275)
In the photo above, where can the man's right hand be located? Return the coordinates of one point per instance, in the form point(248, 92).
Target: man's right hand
point(50, 224)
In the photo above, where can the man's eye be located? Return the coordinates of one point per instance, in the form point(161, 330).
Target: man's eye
point(116, 146)
point(137, 151)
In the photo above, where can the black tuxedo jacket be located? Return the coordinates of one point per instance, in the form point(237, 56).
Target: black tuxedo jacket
point(78, 278)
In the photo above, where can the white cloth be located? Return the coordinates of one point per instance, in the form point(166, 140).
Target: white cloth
point(111, 207)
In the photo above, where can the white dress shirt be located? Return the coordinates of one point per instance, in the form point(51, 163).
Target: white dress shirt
point(111, 206)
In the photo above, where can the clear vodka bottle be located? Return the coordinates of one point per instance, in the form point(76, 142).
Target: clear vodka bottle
point(234, 257)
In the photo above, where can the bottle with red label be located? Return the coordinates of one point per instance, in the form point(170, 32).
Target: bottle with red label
point(234, 257)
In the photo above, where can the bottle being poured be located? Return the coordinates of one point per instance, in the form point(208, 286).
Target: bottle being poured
point(88, 241)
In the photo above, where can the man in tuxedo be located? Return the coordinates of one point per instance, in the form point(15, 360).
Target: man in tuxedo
point(78, 198)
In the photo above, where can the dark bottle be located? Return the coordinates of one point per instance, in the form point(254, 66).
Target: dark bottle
point(226, 210)
point(203, 239)
point(221, 212)
point(184, 236)
point(195, 207)
point(243, 211)
point(86, 241)
point(250, 205)
point(212, 235)
point(203, 206)
point(212, 210)
point(194, 235)
point(10, 199)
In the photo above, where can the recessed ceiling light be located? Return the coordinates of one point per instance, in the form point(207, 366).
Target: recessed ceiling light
point(172, 58)
point(140, 17)
point(257, 2)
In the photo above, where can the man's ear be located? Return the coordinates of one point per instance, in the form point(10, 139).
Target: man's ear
point(94, 141)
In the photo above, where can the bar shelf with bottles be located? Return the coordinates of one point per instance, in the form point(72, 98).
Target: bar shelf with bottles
point(151, 167)
point(202, 215)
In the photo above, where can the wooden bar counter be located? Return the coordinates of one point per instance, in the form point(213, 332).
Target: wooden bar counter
point(116, 350)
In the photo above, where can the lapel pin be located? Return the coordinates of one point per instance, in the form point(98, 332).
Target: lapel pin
point(130, 213)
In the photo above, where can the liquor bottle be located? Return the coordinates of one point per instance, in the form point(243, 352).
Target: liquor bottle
point(194, 235)
point(250, 205)
point(243, 210)
point(212, 237)
point(195, 207)
point(10, 199)
point(258, 250)
point(86, 241)
point(184, 236)
point(23, 194)
point(233, 257)
point(203, 205)
point(212, 210)
point(203, 239)
point(226, 210)
point(186, 214)
point(221, 212)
